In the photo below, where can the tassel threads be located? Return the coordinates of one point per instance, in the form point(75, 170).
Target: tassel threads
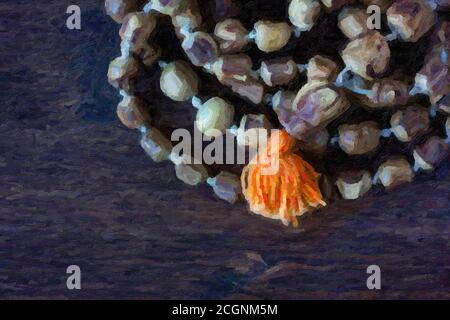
point(287, 192)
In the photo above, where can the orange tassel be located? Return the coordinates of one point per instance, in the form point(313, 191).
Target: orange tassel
point(279, 184)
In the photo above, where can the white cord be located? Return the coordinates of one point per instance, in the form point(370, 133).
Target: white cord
point(342, 77)
point(252, 35)
point(148, 7)
point(196, 102)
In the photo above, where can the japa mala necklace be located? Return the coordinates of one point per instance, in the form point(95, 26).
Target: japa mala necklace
point(293, 188)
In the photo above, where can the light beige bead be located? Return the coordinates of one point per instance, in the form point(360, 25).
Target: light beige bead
point(321, 68)
point(304, 13)
point(353, 185)
point(178, 81)
point(353, 22)
point(272, 36)
point(231, 35)
point(214, 117)
point(358, 139)
point(394, 172)
point(367, 56)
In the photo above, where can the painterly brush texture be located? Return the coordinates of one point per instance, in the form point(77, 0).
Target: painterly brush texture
point(77, 189)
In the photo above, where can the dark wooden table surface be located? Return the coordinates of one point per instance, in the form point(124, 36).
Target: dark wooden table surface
point(75, 188)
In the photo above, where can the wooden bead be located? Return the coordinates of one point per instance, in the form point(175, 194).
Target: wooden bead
point(255, 121)
point(191, 174)
point(353, 22)
point(236, 66)
point(394, 172)
point(321, 68)
point(136, 30)
point(313, 107)
point(133, 112)
point(328, 188)
point(118, 9)
point(214, 117)
point(354, 184)
point(441, 34)
point(431, 154)
point(279, 71)
point(442, 5)
point(200, 48)
point(388, 93)
point(380, 94)
point(332, 5)
point(224, 9)
point(410, 123)
point(444, 104)
point(315, 141)
point(282, 101)
point(358, 139)
point(252, 127)
point(137, 27)
point(156, 145)
point(231, 36)
point(189, 18)
point(122, 71)
point(382, 4)
point(146, 53)
point(367, 56)
point(169, 7)
point(150, 55)
point(272, 36)
point(317, 104)
point(434, 77)
point(226, 186)
point(304, 13)
point(178, 81)
point(250, 89)
point(410, 19)
point(447, 128)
